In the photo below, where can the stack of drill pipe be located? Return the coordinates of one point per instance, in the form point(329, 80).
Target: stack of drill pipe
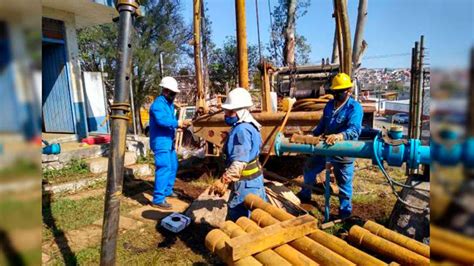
point(397, 238)
point(286, 251)
point(267, 257)
point(451, 246)
point(379, 245)
point(328, 242)
point(215, 242)
point(305, 245)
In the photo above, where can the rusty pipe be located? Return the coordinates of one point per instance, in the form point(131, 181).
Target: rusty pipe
point(331, 242)
point(451, 245)
point(242, 43)
point(289, 253)
point(305, 245)
point(379, 245)
point(267, 257)
point(215, 242)
point(397, 238)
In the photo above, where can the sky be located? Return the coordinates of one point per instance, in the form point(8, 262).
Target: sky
point(391, 29)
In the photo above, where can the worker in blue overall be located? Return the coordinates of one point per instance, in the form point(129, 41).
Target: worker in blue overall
point(342, 120)
point(163, 125)
point(241, 149)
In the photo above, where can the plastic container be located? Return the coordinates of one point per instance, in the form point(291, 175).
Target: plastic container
point(175, 222)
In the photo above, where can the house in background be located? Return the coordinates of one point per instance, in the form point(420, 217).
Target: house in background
point(64, 108)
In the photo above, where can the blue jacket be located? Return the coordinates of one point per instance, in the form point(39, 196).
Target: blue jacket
point(347, 120)
point(163, 124)
point(243, 143)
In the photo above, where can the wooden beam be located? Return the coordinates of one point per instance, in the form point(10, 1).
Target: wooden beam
point(270, 237)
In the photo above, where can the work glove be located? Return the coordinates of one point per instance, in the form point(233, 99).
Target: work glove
point(219, 187)
point(333, 138)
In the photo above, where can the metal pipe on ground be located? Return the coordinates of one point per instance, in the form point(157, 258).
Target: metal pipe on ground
point(289, 253)
point(215, 242)
point(451, 245)
point(305, 245)
point(331, 242)
point(379, 245)
point(267, 257)
point(397, 238)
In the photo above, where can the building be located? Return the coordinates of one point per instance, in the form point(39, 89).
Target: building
point(403, 106)
point(20, 87)
point(63, 98)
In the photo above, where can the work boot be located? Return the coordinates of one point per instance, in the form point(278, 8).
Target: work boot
point(164, 205)
point(173, 195)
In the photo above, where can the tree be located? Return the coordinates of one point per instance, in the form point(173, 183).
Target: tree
point(161, 29)
point(277, 45)
point(223, 66)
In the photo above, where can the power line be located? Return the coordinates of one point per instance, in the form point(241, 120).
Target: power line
point(386, 56)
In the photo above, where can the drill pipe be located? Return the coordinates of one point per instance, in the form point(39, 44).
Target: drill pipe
point(305, 245)
point(215, 242)
point(331, 242)
point(286, 251)
point(267, 257)
point(397, 238)
point(452, 237)
point(379, 245)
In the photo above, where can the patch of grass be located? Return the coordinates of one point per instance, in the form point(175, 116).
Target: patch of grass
point(204, 181)
point(147, 159)
point(20, 168)
point(364, 198)
point(72, 214)
point(28, 257)
point(75, 170)
point(14, 213)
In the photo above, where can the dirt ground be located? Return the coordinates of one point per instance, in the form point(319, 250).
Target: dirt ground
point(72, 230)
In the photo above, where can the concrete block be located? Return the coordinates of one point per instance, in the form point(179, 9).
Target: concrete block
point(100, 165)
point(138, 170)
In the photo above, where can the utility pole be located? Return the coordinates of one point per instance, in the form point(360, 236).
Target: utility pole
point(121, 106)
point(242, 44)
point(413, 75)
point(419, 95)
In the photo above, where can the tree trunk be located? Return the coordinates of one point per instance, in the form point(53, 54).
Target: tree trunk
point(289, 48)
point(359, 34)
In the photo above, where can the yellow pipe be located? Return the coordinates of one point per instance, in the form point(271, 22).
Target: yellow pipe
point(451, 246)
point(200, 102)
point(267, 257)
point(397, 238)
point(452, 237)
point(331, 242)
point(379, 245)
point(305, 245)
point(242, 43)
point(215, 242)
point(286, 251)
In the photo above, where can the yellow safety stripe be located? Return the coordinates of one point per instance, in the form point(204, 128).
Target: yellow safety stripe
point(250, 172)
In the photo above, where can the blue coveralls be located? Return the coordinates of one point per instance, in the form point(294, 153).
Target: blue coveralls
point(163, 124)
point(348, 121)
point(243, 144)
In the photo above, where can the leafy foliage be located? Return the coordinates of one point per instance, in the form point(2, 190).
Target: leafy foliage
point(161, 30)
point(223, 64)
point(277, 40)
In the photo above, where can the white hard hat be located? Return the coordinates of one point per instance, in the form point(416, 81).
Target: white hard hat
point(169, 83)
point(238, 98)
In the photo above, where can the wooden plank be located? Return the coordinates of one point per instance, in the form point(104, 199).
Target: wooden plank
point(271, 236)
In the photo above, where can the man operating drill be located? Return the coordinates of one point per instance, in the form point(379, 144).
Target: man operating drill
point(342, 120)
